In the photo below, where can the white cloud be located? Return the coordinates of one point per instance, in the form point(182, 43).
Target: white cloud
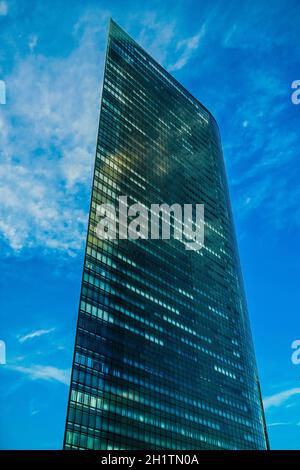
point(3, 8)
point(156, 35)
point(279, 398)
point(271, 425)
point(48, 133)
point(37, 372)
point(159, 37)
point(35, 334)
point(186, 47)
point(33, 40)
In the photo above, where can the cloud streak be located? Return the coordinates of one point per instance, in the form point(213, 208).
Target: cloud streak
point(186, 47)
point(3, 8)
point(35, 334)
point(279, 398)
point(48, 373)
point(48, 133)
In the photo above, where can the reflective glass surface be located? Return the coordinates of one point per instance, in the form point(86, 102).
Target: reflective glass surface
point(163, 353)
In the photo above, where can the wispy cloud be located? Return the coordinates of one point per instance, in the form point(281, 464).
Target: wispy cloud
point(48, 134)
point(165, 41)
point(156, 34)
point(186, 47)
point(39, 372)
point(279, 398)
point(35, 334)
point(271, 425)
point(3, 8)
point(33, 40)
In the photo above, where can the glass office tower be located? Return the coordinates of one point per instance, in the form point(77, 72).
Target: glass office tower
point(163, 352)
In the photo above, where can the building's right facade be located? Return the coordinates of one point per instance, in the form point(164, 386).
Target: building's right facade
point(163, 352)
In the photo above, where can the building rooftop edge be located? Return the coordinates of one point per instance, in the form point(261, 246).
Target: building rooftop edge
point(113, 22)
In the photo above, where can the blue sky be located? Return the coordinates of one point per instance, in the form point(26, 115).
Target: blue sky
point(239, 59)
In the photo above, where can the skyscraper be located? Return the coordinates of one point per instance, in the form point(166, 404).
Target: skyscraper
point(163, 352)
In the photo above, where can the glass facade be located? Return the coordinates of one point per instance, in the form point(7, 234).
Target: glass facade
point(163, 352)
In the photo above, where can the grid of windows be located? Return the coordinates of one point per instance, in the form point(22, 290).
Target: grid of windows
point(163, 352)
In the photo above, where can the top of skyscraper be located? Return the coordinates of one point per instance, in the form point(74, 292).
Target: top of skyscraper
point(116, 29)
